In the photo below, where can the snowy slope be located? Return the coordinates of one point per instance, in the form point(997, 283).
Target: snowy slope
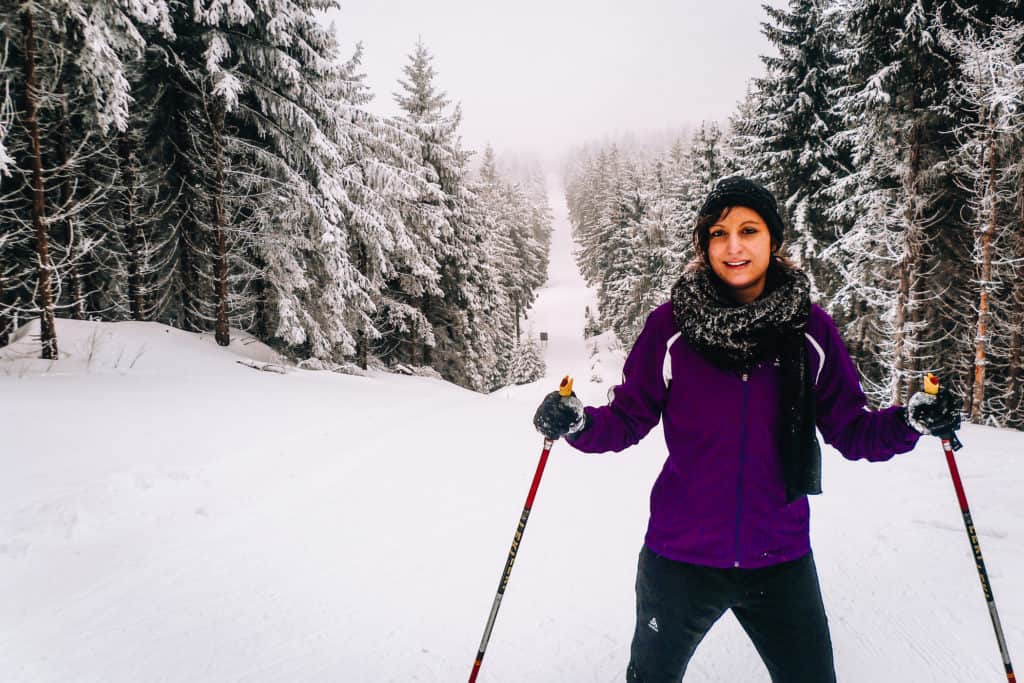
point(167, 514)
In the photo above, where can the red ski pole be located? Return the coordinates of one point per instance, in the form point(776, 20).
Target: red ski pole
point(949, 444)
point(565, 389)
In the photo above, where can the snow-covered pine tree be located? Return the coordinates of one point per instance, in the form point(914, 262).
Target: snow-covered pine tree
point(170, 90)
point(536, 188)
point(189, 87)
point(525, 222)
point(620, 277)
point(677, 172)
point(382, 173)
point(489, 166)
point(19, 262)
point(899, 199)
point(988, 162)
point(70, 242)
point(706, 160)
point(67, 62)
point(519, 240)
point(592, 201)
point(652, 271)
point(137, 251)
point(320, 224)
point(501, 222)
point(492, 316)
point(126, 278)
point(782, 134)
point(527, 362)
point(665, 244)
point(625, 217)
point(108, 38)
point(269, 231)
point(528, 177)
point(462, 349)
point(364, 174)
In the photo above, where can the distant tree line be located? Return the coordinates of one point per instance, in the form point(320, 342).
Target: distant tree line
point(210, 164)
point(893, 135)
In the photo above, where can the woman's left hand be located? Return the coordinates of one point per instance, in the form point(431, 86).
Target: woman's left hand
point(934, 414)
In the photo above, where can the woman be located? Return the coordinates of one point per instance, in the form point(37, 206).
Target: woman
point(739, 366)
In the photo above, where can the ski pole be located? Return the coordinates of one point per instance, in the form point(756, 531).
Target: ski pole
point(949, 444)
point(565, 389)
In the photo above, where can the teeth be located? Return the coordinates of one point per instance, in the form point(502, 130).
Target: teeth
point(735, 263)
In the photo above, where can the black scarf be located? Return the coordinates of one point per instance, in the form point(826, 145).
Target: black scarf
point(736, 337)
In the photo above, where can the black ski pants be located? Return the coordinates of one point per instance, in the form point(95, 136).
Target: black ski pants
point(779, 607)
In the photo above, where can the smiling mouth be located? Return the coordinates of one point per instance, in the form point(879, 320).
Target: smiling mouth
point(736, 264)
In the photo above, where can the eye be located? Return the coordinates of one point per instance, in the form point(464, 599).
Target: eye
point(717, 233)
point(750, 230)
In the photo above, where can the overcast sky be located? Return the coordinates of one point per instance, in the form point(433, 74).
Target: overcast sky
point(538, 76)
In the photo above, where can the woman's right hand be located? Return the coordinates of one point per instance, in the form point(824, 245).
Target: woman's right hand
point(559, 416)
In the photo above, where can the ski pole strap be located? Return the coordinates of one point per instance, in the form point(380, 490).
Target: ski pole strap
point(951, 440)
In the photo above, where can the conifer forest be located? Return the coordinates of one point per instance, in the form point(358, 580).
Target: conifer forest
point(892, 134)
point(212, 165)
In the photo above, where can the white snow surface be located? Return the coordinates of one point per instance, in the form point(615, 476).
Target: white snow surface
point(167, 514)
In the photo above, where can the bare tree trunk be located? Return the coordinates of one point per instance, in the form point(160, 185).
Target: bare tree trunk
point(361, 341)
point(5, 321)
point(1013, 380)
point(259, 286)
point(136, 294)
point(222, 332)
point(67, 227)
point(186, 259)
point(48, 330)
point(189, 280)
point(858, 342)
point(909, 268)
point(1014, 383)
point(517, 322)
point(969, 378)
point(361, 348)
point(906, 268)
point(914, 371)
point(428, 357)
point(978, 400)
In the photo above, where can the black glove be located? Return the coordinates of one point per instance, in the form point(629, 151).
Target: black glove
point(559, 416)
point(934, 414)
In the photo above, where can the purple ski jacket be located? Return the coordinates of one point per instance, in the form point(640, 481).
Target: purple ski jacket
point(720, 499)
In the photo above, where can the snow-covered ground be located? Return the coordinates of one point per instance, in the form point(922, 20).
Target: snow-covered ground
point(167, 514)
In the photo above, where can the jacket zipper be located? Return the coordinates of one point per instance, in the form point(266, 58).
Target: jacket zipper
point(739, 479)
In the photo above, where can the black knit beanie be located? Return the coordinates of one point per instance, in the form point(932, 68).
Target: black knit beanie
point(739, 191)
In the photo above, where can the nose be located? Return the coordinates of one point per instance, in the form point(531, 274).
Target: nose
point(734, 243)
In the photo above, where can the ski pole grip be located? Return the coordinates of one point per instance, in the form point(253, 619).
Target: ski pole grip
point(931, 386)
point(954, 442)
point(565, 388)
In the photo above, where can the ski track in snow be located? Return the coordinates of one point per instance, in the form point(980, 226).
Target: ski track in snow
point(168, 515)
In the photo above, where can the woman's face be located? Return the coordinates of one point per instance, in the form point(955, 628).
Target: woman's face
point(740, 249)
